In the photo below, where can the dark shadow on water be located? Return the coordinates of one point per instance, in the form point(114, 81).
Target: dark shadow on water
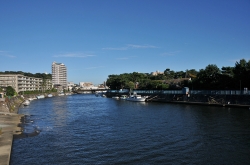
point(26, 121)
point(26, 135)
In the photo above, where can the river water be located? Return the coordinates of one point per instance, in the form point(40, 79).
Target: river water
point(85, 129)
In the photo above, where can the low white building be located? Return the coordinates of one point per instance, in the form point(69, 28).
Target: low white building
point(24, 83)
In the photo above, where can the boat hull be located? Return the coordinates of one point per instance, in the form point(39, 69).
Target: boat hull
point(136, 99)
point(50, 95)
point(40, 97)
point(26, 103)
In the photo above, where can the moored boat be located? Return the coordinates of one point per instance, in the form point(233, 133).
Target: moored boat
point(40, 96)
point(61, 94)
point(123, 97)
point(115, 97)
point(26, 102)
point(136, 97)
point(50, 95)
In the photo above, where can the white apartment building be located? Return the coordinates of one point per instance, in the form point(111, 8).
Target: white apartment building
point(23, 83)
point(59, 74)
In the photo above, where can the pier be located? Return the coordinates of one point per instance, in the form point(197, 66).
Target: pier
point(9, 127)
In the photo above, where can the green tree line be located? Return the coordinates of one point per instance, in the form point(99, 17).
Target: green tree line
point(37, 75)
point(209, 78)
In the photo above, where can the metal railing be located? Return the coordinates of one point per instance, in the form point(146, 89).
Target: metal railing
point(191, 92)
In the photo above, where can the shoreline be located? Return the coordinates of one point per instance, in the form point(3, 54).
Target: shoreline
point(9, 123)
point(204, 104)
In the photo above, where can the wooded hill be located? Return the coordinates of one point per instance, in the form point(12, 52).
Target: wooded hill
point(210, 78)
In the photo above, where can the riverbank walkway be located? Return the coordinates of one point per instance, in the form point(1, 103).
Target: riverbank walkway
point(9, 126)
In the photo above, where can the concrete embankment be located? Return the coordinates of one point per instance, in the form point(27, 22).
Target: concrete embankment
point(9, 121)
point(9, 126)
point(240, 101)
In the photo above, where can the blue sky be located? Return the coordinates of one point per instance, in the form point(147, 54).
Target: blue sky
point(97, 38)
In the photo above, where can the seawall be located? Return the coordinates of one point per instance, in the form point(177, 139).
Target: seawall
point(241, 101)
point(9, 121)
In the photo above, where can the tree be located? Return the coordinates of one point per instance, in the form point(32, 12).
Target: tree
point(192, 73)
point(130, 85)
point(242, 73)
point(208, 78)
point(179, 74)
point(10, 91)
point(113, 82)
point(226, 78)
point(169, 73)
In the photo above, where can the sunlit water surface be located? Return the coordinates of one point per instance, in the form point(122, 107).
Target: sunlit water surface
point(84, 129)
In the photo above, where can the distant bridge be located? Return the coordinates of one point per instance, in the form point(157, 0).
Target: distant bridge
point(83, 91)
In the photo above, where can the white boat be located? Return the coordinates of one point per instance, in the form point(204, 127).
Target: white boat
point(123, 97)
point(115, 97)
point(40, 96)
point(50, 95)
point(136, 97)
point(61, 94)
point(26, 102)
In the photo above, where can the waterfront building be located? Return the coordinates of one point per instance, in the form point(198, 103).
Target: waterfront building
point(24, 83)
point(87, 85)
point(59, 75)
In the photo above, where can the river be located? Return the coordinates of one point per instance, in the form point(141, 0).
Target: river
point(85, 129)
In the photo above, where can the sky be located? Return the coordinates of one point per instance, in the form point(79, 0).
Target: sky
point(98, 38)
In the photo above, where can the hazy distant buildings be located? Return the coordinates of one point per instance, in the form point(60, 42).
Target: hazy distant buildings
point(87, 85)
point(59, 74)
point(70, 86)
point(156, 73)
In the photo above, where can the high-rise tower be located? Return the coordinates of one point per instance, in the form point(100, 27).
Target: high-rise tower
point(59, 74)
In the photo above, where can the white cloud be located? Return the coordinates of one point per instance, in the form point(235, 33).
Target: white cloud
point(5, 54)
point(74, 55)
point(141, 46)
point(121, 48)
point(131, 46)
point(126, 58)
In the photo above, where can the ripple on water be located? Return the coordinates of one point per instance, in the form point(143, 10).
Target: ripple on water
point(84, 129)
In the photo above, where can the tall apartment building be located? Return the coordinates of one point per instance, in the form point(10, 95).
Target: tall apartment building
point(24, 83)
point(59, 74)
